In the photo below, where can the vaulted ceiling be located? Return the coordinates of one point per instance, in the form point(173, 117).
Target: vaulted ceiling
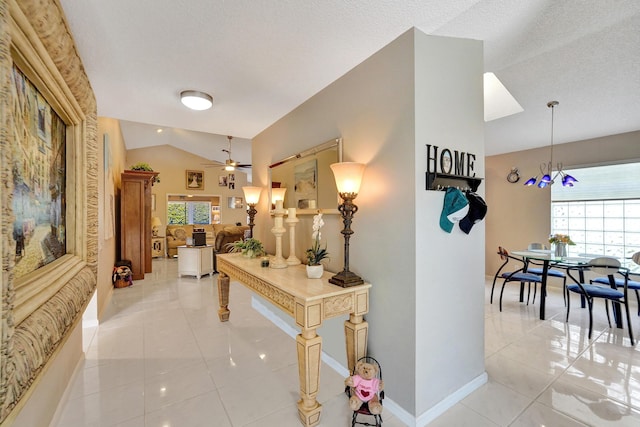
point(262, 58)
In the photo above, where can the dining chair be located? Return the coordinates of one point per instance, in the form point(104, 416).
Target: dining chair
point(552, 272)
point(518, 275)
point(631, 284)
point(608, 267)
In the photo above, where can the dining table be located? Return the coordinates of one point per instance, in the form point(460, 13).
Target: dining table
point(578, 263)
point(549, 259)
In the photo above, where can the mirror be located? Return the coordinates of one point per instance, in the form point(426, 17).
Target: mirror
point(308, 179)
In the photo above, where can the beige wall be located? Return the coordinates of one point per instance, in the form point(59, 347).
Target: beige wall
point(519, 215)
point(172, 164)
point(112, 145)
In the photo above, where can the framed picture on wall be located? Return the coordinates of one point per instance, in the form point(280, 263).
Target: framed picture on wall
point(222, 180)
point(194, 180)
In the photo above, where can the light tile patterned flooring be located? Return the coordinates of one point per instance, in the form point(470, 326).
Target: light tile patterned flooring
point(161, 358)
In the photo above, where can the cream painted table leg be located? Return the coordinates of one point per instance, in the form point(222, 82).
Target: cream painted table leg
point(309, 346)
point(223, 297)
point(356, 333)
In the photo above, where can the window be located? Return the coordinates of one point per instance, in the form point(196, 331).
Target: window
point(602, 212)
point(189, 212)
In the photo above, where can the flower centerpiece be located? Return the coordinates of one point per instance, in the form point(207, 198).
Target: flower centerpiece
point(316, 254)
point(561, 241)
point(561, 238)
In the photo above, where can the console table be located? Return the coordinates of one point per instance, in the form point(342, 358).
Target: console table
point(309, 302)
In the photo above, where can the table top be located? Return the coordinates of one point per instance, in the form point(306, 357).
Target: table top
point(580, 260)
point(293, 280)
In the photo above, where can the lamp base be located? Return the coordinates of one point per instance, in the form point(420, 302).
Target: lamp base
point(346, 279)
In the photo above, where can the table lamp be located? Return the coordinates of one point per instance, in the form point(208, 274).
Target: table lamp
point(155, 225)
point(348, 176)
point(252, 196)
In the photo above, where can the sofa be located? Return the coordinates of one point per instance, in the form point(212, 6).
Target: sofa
point(217, 235)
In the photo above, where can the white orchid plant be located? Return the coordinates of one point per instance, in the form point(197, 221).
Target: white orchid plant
point(315, 254)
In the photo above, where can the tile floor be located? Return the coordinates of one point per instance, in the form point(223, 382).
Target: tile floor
point(161, 358)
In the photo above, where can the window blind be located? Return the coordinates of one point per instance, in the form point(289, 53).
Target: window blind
point(610, 182)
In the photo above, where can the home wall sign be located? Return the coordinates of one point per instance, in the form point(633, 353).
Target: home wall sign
point(450, 168)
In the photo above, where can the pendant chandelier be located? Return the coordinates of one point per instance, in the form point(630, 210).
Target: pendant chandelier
point(546, 169)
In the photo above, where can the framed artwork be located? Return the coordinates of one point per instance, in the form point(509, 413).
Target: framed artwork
point(232, 177)
point(222, 181)
point(306, 184)
point(51, 145)
point(232, 185)
point(194, 180)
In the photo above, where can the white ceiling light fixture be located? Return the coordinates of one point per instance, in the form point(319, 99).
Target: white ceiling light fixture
point(498, 101)
point(196, 100)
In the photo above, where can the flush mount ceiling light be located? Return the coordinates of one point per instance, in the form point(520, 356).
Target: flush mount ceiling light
point(196, 100)
point(547, 169)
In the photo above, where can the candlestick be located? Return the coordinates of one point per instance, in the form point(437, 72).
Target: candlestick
point(292, 221)
point(278, 230)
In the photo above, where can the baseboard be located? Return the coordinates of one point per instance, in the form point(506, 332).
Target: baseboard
point(449, 401)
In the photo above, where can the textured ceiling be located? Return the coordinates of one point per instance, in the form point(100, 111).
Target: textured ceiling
point(262, 58)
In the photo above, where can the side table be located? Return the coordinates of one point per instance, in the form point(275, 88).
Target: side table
point(157, 246)
point(195, 261)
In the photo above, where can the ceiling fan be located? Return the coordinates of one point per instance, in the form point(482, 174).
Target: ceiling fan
point(230, 164)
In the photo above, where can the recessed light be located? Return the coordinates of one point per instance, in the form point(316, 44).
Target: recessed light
point(159, 130)
point(196, 100)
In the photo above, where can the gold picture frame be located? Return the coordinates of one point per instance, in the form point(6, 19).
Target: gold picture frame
point(194, 180)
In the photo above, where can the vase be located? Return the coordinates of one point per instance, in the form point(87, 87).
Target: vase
point(315, 271)
point(561, 249)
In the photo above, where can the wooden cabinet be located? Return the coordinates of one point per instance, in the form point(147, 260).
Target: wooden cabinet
point(135, 220)
point(195, 260)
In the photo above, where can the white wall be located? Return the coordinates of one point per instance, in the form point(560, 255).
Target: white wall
point(450, 267)
point(397, 245)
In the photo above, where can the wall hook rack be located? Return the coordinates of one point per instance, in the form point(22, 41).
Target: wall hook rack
point(442, 181)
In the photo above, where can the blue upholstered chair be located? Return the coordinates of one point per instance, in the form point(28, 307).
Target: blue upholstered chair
point(513, 276)
point(608, 267)
point(631, 284)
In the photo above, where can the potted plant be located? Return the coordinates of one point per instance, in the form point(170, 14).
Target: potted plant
point(142, 166)
point(316, 254)
point(250, 247)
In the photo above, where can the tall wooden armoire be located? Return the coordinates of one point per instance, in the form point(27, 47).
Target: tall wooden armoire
point(135, 220)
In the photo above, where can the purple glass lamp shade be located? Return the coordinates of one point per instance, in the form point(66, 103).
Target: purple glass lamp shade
point(542, 184)
point(531, 181)
point(546, 178)
point(568, 181)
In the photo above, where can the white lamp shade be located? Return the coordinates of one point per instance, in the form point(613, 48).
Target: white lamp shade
point(252, 194)
point(277, 194)
point(155, 222)
point(348, 176)
point(196, 100)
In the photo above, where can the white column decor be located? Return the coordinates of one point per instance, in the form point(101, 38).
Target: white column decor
point(278, 230)
point(292, 221)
